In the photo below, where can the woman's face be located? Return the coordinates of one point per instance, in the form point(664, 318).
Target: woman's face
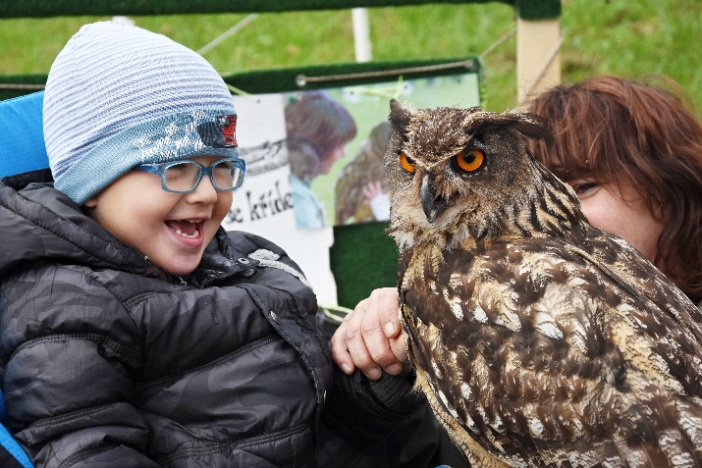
point(619, 210)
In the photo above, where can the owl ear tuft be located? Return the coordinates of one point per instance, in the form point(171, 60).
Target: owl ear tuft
point(529, 125)
point(532, 126)
point(399, 116)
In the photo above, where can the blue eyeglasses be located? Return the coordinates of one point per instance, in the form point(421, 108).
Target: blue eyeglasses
point(184, 176)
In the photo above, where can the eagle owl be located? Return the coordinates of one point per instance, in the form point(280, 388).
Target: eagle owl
point(538, 339)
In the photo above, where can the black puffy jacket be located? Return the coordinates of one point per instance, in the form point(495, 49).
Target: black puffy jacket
point(109, 361)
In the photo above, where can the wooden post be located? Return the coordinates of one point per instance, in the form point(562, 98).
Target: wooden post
point(361, 35)
point(537, 44)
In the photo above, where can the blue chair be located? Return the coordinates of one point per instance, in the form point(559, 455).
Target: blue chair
point(11, 454)
point(22, 150)
point(21, 133)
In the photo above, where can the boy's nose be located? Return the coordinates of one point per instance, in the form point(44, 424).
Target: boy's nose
point(203, 193)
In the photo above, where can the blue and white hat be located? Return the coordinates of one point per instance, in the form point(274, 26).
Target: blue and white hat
point(118, 96)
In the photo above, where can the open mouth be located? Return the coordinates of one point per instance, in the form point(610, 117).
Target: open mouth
point(188, 228)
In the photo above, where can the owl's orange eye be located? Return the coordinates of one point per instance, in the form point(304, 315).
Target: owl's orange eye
point(407, 163)
point(470, 159)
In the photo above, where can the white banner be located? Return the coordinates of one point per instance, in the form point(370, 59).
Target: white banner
point(263, 204)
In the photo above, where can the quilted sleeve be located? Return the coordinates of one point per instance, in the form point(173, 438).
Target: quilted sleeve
point(70, 351)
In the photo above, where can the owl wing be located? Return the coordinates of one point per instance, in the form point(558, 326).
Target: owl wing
point(544, 358)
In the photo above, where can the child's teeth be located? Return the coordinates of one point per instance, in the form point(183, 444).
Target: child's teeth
point(191, 236)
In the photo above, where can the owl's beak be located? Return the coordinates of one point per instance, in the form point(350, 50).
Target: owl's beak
point(432, 204)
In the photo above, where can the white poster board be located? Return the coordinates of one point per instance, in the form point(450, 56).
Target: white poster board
point(263, 204)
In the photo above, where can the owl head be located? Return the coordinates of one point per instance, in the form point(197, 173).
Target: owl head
point(455, 173)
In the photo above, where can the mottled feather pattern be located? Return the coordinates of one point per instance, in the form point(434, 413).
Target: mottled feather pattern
point(538, 339)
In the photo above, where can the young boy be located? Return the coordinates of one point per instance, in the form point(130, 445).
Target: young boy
point(135, 331)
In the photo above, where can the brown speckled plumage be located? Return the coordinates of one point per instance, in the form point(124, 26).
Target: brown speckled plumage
point(539, 339)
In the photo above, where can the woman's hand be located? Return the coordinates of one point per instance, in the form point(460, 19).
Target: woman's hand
point(371, 337)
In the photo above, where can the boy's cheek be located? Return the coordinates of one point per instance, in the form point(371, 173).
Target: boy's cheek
point(224, 204)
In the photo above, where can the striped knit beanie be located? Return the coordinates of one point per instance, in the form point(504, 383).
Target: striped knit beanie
point(118, 96)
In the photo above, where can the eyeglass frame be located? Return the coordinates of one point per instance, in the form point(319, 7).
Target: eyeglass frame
point(160, 170)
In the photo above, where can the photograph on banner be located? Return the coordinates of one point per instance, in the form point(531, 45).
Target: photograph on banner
point(337, 137)
point(263, 204)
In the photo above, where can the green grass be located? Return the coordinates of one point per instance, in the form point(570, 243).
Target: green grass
point(624, 38)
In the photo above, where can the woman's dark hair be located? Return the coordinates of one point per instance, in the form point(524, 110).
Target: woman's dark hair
point(316, 125)
point(615, 130)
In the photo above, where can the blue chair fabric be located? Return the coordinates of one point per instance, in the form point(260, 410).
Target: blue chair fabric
point(21, 135)
point(21, 150)
point(11, 454)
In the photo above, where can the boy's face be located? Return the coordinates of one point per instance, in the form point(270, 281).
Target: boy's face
point(172, 229)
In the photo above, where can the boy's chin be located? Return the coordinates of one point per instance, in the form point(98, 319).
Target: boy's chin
point(179, 267)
